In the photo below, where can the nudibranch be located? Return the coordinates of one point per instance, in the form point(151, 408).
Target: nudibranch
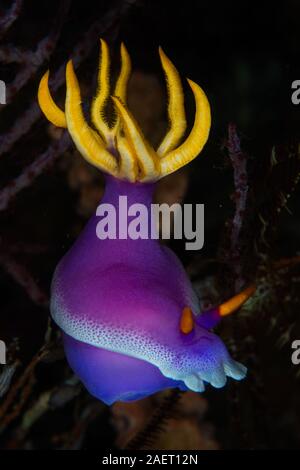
point(130, 320)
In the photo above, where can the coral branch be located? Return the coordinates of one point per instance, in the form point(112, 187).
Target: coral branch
point(6, 377)
point(33, 60)
point(22, 276)
point(9, 18)
point(32, 171)
point(239, 164)
point(51, 399)
point(20, 128)
point(22, 385)
point(10, 54)
point(80, 53)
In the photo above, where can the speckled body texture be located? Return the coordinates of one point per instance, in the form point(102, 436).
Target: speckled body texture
point(119, 304)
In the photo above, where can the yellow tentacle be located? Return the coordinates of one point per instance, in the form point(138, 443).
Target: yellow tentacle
point(89, 144)
point(121, 85)
point(128, 162)
point(197, 138)
point(52, 112)
point(102, 95)
point(138, 161)
point(145, 154)
point(176, 110)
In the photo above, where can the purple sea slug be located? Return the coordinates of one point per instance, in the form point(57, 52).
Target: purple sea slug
point(131, 322)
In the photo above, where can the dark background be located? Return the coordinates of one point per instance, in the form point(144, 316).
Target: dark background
point(244, 55)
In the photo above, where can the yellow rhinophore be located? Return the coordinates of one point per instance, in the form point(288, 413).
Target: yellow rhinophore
point(118, 146)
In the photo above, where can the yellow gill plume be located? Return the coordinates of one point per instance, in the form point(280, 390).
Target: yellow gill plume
point(52, 112)
point(137, 161)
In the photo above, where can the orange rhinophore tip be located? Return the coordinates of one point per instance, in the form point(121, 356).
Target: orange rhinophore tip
point(236, 302)
point(186, 321)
